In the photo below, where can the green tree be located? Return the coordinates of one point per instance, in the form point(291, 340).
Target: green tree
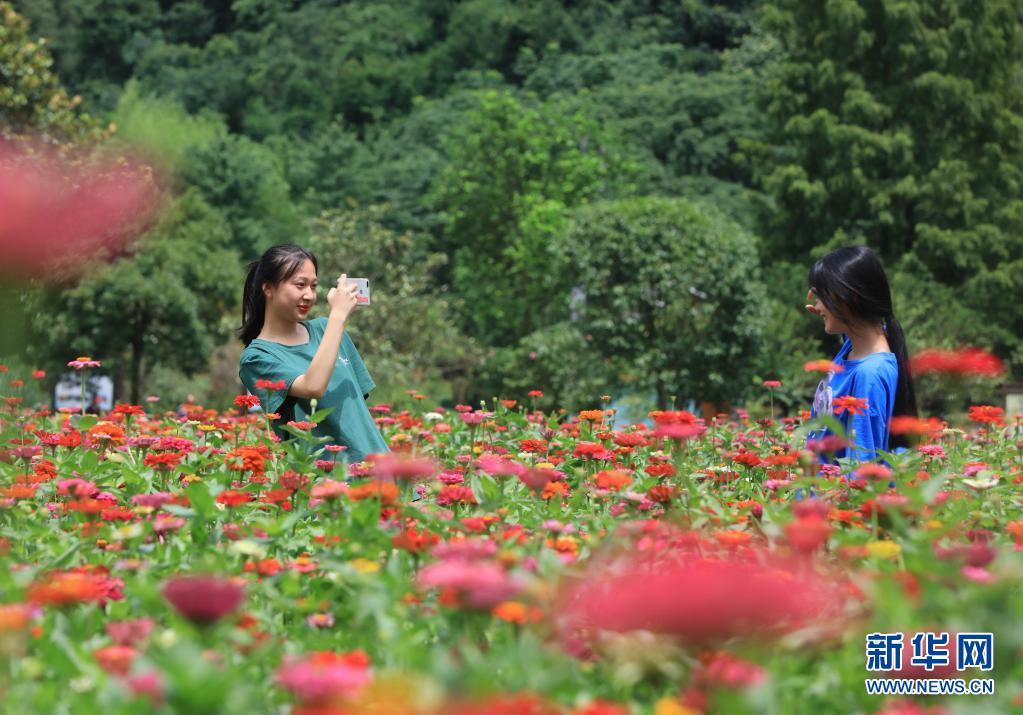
point(669, 291)
point(514, 167)
point(900, 125)
point(162, 304)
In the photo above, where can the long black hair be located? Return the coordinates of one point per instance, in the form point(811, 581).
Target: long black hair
point(277, 264)
point(852, 284)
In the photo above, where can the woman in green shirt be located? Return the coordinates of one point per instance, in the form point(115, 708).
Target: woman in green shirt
point(314, 359)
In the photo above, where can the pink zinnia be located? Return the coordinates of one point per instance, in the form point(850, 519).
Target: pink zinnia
point(130, 632)
point(678, 431)
point(479, 584)
point(328, 489)
point(465, 549)
point(873, 471)
point(55, 212)
point(76, 487)
point(390, 466)
point(321, 678)
point(203, 599)
point(537, 479)
point(84, 362)
point(474, 418)
point(700, 601)
point(500, 466)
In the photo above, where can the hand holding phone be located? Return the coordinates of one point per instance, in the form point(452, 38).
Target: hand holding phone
point(363, 285)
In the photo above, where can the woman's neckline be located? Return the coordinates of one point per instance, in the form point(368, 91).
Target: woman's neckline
point(846, 358)
point(309, 338)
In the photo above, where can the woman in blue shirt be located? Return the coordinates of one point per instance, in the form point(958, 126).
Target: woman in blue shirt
point(849, 292)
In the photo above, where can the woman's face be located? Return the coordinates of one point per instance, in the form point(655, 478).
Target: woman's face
point(832, 325)
point(293, 297)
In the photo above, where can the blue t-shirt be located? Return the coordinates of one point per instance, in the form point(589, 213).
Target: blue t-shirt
point(873, 378)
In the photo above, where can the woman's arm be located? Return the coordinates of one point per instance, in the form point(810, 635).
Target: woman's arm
point(342, 299)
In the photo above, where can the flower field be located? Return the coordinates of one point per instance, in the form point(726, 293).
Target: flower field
point(500, 560)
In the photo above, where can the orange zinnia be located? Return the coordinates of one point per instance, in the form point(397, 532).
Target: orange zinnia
point(387, 492)
point(612, 479)
point(732, 538)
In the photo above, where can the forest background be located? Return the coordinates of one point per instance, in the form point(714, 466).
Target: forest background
point(589, 198)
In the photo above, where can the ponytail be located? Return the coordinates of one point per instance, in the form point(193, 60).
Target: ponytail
point(253, 305)
point(277, 264)
point(905, 394)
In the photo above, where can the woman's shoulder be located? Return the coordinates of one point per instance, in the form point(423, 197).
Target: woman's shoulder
point(256, 350)
point(882, 366)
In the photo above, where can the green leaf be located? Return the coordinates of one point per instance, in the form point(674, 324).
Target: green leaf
point(319, 415)
point(931, 488)
point(66, 556)
point(200, 498)
point(84, 422)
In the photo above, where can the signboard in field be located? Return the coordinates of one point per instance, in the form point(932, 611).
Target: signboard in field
point(99, 392)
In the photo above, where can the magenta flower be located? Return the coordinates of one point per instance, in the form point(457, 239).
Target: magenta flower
point(154, 500)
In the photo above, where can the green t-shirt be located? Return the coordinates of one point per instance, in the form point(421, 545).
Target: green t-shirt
point(350, 424)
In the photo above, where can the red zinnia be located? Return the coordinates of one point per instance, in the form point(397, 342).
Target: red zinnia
point(748, 459)
point(907, 424)
point(966, 361)
point(854, 405)
point(163, 462)
point(987, 414)
point(231, 498)
point(246, 401)
point(668, 417)
point(591, 450)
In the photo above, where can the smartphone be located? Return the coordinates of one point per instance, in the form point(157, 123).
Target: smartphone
point(363, 285)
